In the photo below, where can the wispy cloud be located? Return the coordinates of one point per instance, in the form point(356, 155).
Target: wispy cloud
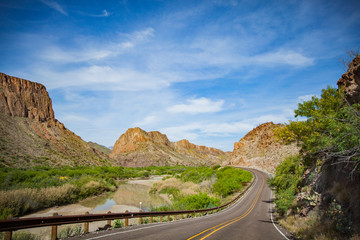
point(199, 105)
point(104, 14)
point(54, 5)
point(194, 131)
point(102, 78)
point(90, 50)
point(287, 57)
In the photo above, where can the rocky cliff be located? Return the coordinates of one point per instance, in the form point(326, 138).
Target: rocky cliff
point(350, 81)
point(259, 149)
point(29, 133)
point(22, 98)
point(137, 147)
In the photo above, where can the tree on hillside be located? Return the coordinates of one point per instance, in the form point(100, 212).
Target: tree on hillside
point(331, 133)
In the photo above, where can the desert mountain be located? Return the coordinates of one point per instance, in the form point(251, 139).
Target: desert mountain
point(259, 149)
point(30, 134)
point(137, 147)
point(100, 148)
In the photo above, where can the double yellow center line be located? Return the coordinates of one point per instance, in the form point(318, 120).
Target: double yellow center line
point(229, 222)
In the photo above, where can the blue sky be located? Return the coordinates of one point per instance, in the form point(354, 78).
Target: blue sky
point(208, 71)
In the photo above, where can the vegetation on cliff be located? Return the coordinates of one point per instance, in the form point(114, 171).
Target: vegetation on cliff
point(318, 191)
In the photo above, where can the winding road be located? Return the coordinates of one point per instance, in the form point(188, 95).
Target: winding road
point(249, 218)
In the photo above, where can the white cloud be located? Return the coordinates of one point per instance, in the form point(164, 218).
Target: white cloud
point(57, 54)
point(90, 50)
point(54, 5)
point(147, 121)
point(102, 78)
point(217, 129)
point(143, 35)
point(104, 13)
point(286, 57)
point(195, 130)
point(199, 105)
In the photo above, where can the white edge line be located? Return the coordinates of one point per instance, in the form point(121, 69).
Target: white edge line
point(272, 219)
point(179, 221)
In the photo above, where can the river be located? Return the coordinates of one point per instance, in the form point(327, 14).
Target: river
point(127, 197)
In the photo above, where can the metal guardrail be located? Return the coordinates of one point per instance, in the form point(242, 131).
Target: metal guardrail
point(23, 223)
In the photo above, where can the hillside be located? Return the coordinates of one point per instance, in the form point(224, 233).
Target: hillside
point(137, 147)
point(318, 192)
point(259, 149)
point(100, 148)
point(29, 133)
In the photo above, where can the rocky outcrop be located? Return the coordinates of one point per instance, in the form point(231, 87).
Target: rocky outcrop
point(132, 139)
point(259, 149)
point(137, 147)
point(350, 81)
point(29, 133)
point(184, 144)
point(22, 98)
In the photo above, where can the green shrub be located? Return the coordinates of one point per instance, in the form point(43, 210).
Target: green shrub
point(286, 182)
point(118, 223)
point(198, 201)
point(230, 180)
point(197, 175)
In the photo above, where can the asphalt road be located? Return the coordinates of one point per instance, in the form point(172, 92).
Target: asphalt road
point(250, 218)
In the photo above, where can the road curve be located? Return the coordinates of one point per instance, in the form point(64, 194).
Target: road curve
point(249, 218)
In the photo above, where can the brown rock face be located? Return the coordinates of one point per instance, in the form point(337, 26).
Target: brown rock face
point(22, 98)
point(259, 149)
point(350, 81)
point(29, 133)
point(138, 148)
point(185, 144)
point(133, 137)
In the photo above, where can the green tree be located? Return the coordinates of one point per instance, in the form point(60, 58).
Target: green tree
point(331, 133)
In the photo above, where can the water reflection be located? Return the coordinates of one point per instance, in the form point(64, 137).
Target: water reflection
point(127, 194)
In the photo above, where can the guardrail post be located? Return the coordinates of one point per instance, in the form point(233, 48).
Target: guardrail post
point(161, 218)
point(151, 219)
point(8, 235)
point(126, 220)
point(182, 216)
point(168, 218)
point(140, 219)
point(54, 229)
point(86, 225)
point(175, 217)
point(109, 220)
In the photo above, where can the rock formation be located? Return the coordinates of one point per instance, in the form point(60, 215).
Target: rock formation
point(22, 98)
point(259, 149)
point(29, 133)
point(137, 147)
point(184, 144)
point(350, 81)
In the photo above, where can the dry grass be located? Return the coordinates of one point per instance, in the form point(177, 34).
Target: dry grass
point(186, 188)
point(311, 227)
point(20, 201)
